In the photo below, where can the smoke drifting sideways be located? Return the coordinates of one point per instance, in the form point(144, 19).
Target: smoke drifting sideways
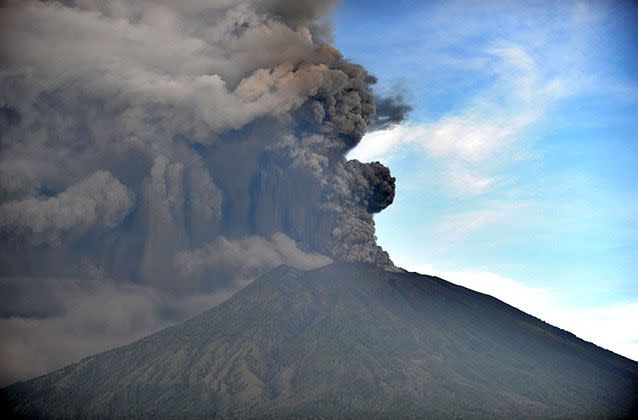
point(390, 111)
point(155, 157)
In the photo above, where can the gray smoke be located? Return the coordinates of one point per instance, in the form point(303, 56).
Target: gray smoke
point(156, 156)
point(99, 202)
point(391, 110)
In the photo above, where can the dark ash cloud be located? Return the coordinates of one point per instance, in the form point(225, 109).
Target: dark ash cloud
point(156, 156)
point(391, 110)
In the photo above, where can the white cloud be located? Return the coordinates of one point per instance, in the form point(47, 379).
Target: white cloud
point(607, 326)
point(380, 144)
point(467, 141)
point(464, 181)
point(456, 227)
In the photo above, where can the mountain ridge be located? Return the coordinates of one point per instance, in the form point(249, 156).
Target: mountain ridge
point(348, 339)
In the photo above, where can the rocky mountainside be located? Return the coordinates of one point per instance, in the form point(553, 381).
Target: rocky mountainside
point(346, 340)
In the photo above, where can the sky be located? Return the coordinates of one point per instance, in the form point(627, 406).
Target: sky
point(516, 170)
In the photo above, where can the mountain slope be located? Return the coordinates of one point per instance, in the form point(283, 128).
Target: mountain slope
point(346, 340)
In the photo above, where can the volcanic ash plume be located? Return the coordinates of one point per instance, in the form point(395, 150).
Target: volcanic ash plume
point(165, 153)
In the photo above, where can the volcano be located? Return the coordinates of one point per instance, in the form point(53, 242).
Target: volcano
point(345, 340)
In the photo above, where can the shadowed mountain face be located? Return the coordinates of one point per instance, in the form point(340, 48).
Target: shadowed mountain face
point(346, 340)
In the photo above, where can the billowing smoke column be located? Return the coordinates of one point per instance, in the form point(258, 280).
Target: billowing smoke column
point(156, 156)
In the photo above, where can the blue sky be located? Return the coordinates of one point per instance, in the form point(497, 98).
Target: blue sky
point(517, 170)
